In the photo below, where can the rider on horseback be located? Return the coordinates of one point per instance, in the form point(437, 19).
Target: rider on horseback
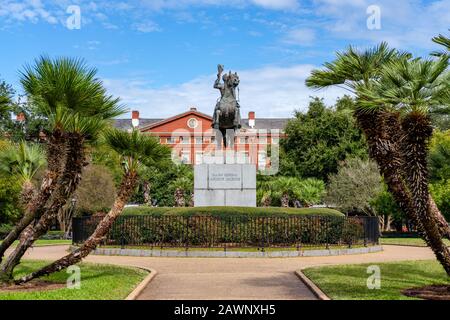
point(228, 97)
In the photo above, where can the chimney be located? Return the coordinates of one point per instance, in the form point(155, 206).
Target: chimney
point(135, 118)
point(20, 117)
point(251, 119)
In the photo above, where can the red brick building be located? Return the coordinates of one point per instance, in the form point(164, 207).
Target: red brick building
point(193, 140)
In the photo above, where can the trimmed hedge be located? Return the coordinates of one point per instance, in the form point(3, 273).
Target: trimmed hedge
point(230, 211)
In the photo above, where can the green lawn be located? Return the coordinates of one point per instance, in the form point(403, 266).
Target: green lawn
point(348, 282)
point(98, 282)
point(40, 243)
point(407, 241)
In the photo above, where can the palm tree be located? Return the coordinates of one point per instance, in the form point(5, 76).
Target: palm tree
point(354, 69)
point(183, 188)
point(443, 41)
point(77, 107)
point(22, 160)
point(283, 189)
point(412, 87)
point(135, 150)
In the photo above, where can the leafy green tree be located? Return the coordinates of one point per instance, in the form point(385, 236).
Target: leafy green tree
point(441, 193)
point(355, 186)
point(439, 156)
point(319, 139)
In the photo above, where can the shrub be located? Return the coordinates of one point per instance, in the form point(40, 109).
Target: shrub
point(230, 211)
point(96, 191)
point(441, 195)
point(10, 210)
point(5, 229)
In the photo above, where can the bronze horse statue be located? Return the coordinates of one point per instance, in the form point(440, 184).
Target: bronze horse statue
point(226, 118)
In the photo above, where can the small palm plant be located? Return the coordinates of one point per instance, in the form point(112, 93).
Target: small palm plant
point(135, 150)
point(283, 189)
point(183, 187)
point(22, 160)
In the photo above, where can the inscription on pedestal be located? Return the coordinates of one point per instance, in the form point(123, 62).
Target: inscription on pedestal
point(225, 185)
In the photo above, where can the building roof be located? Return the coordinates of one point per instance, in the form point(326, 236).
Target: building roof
point(149, 123)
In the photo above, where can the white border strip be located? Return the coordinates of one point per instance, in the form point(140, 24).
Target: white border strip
point(312, 286)
point(138, 290)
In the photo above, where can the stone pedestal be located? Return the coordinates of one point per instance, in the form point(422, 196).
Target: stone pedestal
point(225, 185)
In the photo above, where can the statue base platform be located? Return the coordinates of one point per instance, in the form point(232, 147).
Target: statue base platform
point(225, 185)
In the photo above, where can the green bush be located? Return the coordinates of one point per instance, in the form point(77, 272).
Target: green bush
point(5, 229)
point(441, 194)
point(10, 210)
point(96, 192)
point(230, 211)
point(243, 230)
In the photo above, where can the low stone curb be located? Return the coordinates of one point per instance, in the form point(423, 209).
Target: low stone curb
point(312, 286)
point(232, 254)
point(138, 290)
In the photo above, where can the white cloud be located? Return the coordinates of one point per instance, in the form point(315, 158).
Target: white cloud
point(270, 91)
point(147, 27)
point(276, 4)
point(31, 11)
point(407, 24)
point(300, 37)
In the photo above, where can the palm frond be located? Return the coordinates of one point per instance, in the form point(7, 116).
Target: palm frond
point(136, 148)
point(22, 159)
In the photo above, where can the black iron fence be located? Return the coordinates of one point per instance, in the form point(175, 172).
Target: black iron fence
point(232, 231)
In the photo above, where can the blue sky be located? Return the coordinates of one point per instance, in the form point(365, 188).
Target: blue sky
point(160, 56)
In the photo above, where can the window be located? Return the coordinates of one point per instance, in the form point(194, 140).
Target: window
point(243, 140)
point(275, 140)
point(198, 157)
point(185, 140)
point(198, 140)
point(185, 157)
point(263, 140)
point(213, 139)
point(192, 123)
point(171, 140)
point(242, 157)
point(262, 159)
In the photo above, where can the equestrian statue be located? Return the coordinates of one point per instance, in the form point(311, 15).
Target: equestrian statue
point(226, 118)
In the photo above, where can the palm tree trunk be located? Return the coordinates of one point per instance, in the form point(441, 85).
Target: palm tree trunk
point(67, 185)
point(418, 131)
point(179, 197)
point(383, 134)
point(285, 200)
point(27, 193)
point(55, 158)
point(126, 189)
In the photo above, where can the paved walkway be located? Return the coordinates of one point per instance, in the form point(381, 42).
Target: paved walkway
point(234, 278)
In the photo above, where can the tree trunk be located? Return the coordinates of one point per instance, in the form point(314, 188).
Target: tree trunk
point(418, 131)
point(179, 197)
point(126, 189)
point(147, 197)
point(67, 185)
point(55, 158)
point(27, 193)
point(383, 133)
point(285, 200)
